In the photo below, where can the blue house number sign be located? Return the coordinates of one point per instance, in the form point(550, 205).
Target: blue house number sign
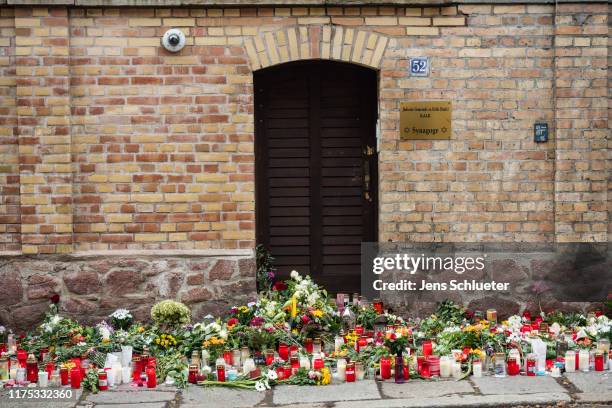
point(419, 66)
point(540, 132)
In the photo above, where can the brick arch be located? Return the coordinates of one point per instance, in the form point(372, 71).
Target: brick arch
point(329, 42)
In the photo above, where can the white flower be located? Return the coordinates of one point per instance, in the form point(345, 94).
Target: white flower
point(251, 304)
point(223, 334)
point(271, 374)
point(55, 320)
point(260, 386)
point(295, 276)
point(121, 314)
point(2, 329)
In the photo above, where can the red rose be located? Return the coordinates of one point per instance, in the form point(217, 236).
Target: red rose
point(279, 285)
point(232, 322)
point(305, 319)
point(55, 298)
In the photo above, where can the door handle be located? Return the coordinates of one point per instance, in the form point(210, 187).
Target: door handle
point(366, 179)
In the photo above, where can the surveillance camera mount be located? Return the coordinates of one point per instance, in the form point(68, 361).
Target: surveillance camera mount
point(173, 40)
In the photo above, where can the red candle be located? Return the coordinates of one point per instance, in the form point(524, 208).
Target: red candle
point(75, 377)
point(295, 363)
point(513, 367)
point(425, 372)
point(420, 360)
point(599, 361)
point(385, 368)
point(293, 349)
point(227, 356)
point(136, 369)
point(22, 356)
point(280, 373)
point(318, 364)
point(283, 351)
point(102, 380)
point(406, 372)
point(359, 330)
point(269, 358)
point(49, 369)
point(220, 372)
point(527, 315)
point(3, 348)
point(362, 342)
point(526, 328)
point(308, 345)
point(350, 372)
point(427, 348)
point(31, 369)
point(287, 369)
point(151, 377)
point(192, 376)
point(64, 376)
point(378, 305)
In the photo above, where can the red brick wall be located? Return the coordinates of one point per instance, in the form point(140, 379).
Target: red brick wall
point(123, 145)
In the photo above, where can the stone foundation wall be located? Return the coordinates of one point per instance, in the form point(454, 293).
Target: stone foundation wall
point(92, 287)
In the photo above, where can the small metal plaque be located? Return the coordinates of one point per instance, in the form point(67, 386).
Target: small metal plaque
point(426, 120)
point(540, 132)
point(419, 66)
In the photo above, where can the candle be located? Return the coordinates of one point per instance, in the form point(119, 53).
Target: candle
point(221, 372)
point(555, 372)
point(304, 362)
point(583, 360)
point(341, 368)
point(295, 363)
point(12, 344)
point(22, 356)
point(338, 343)
point(49, 368)
point(248, 366)
point(283, 351)
point(269, 356)
point(457, 373)
point(280, 373)
point(192, 375)
point(228, 356)
point(513, 366)
point(492, 315)
point(599, 361)
point(445, 366)
point(43, 379)
point(570, 361)
point(316, 345)
point(232, 374)
point(476, 368)
point(136, 370)
point(126, 355)
point(236, 358)
point(55, 380)
point(4, 368)
point(378, 305)
point(117, 375)
point(359, 371)
point(20, 375)
point(31, 369)
point(317, 363)
point(102, 380)
point(385, 368)
point(126, 372)
point(530, 365)
point(427, 348)
point(244, 354)
point(63, 376)
point(151, 377)
point(288, 370)
point(75, 377)
point(350, 372)
point(308, 345)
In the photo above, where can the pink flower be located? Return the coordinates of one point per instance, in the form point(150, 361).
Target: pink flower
point(305, 319)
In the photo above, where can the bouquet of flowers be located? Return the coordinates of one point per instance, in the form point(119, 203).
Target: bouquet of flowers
point(121, 319)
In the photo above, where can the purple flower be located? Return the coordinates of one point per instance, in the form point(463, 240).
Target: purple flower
point(270, 275)
point(257, 321)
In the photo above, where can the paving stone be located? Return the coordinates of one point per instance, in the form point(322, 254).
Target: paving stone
point(459, 401)
point(595, 387)
point(517, 385)
point(294, 394)
point(426, 389)
point(139, 405)
point(135, 396)
point(196, 396)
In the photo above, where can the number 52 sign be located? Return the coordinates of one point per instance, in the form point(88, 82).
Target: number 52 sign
point(419, 66)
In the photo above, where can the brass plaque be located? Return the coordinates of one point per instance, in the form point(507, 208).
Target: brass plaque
point(425, 120)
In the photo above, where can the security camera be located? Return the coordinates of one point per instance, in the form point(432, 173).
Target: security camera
point(173, 40)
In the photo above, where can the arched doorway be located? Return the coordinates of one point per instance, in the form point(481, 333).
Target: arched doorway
point(316, 168)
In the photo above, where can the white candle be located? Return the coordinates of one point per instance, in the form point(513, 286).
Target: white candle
point(126, 374)
point(457, 369)
point(338, 342)
point(43, 379)
point(110, 377)
point(556, 372)
point(477, 369)
point(126, 355)
point(341, 366)
point(117, 368)
point(305, 362)
point(570, 361)
point(248, 366)
point(446, 366)
point(583, 360)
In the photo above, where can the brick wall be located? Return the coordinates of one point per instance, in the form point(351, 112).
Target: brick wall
point(108, 142)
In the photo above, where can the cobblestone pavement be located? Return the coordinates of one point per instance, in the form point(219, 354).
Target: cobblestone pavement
point(573, 390)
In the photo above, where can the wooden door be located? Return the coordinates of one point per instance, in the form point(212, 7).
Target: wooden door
point(316, 168)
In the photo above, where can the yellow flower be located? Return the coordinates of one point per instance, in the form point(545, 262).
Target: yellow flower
point(317, 313)
point(140, 329)
point(325, 376)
